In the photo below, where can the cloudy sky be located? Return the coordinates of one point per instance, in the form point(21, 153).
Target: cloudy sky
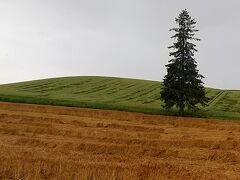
point(124, 38)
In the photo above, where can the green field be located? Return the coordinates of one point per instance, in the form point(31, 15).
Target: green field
point(113, 93)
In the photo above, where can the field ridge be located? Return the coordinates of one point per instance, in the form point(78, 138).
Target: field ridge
point(53, 142)
point(113, 93)
point(216, 99)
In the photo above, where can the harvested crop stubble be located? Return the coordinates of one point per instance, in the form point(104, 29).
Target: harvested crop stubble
point(44, 142)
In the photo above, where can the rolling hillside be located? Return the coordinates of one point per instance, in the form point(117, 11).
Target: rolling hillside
point(112, 93)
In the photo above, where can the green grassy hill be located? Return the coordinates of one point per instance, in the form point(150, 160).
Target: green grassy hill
point(113, 93)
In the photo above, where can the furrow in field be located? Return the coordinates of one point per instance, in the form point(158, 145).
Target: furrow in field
point(52, 142)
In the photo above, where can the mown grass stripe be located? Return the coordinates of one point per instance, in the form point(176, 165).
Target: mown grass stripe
point(112, 93)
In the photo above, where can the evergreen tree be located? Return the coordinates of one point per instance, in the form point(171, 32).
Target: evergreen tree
point(183, 86)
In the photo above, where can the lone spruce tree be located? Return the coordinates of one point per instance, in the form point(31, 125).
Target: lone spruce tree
point(183, 86)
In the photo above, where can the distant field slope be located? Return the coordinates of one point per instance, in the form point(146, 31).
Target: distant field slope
point(112, 93)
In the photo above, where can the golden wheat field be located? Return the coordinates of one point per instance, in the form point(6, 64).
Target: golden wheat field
point(47, 142)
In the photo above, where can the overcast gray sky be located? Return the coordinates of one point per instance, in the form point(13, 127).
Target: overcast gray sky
point(124, 38)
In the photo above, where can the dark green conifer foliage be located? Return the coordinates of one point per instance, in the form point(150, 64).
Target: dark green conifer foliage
point(183, 86)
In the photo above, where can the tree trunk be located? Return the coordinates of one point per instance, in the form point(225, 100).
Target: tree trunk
point(181, 110)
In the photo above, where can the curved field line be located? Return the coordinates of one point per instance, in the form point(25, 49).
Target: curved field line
point(216, 99)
